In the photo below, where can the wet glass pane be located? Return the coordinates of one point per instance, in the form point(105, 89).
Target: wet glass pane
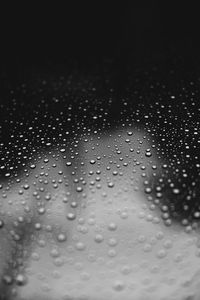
point(100, 165)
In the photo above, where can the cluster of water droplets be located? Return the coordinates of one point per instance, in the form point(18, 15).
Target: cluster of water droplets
point(63, 154)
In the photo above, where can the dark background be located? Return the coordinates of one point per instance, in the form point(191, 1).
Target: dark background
point(86, 33)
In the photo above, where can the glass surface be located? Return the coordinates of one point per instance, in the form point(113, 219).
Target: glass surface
point(99, 186)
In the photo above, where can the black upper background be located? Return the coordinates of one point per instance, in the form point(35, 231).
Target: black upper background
point(129, 32)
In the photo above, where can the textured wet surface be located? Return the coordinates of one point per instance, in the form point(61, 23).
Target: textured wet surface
point(100, 185)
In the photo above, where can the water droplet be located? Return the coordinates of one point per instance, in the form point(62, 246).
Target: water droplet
point(79, 189)
point(92, 162)
point(112, 226)
point(99, 238)
point(33, 166)
point(111, 184)
point(1, 224)
point(62, 237)
point(176, 191)
point(161, 253)
point(8, 280)
point(112, 242)
point(119, 285)
point(80, 246)
point(71, 216)
point(20, 279)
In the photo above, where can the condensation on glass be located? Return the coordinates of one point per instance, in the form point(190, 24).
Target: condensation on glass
point(99, 189)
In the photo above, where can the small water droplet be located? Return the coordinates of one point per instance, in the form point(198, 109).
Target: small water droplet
point(119, 285)
point(61, 237)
